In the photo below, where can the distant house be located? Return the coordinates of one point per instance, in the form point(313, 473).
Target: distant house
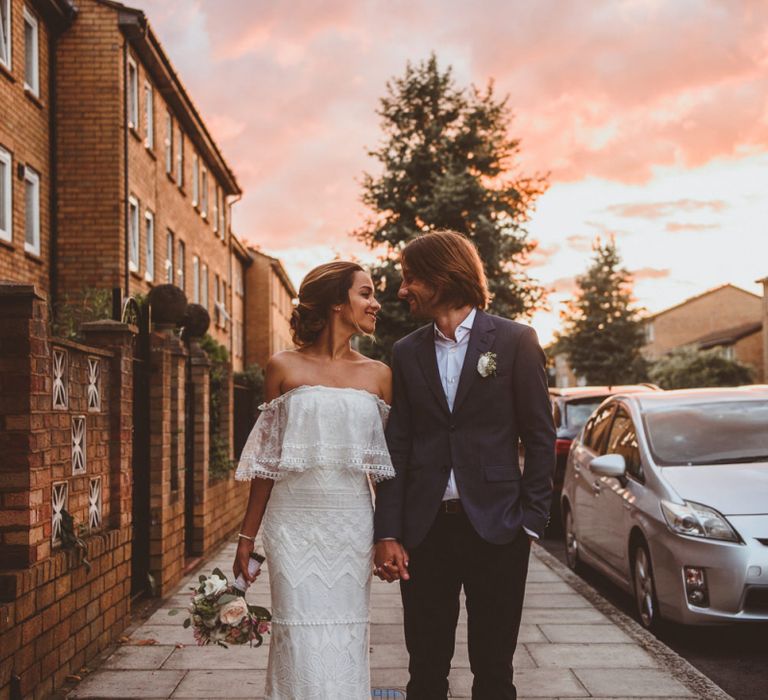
point(269, 302)
point(726, 317)
point(764, 282)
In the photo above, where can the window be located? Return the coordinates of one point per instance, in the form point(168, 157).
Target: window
point(32, 227)
point(195, 279)
point(149, 116)
point(169, 257)
point(216, 299)
point(5, 33)
point(133, 234)
point(204, 285)
point(205, 192)
point(168, 143)
point(223, 217)
point(181, 271)
point(149, 265)
point(216, 209)
point(6, 200)
point(180, 159)
point(649, 332)
point(133, 94)
point(597, 427)
point(31, 54)
point(195, 180)
point(623, 441)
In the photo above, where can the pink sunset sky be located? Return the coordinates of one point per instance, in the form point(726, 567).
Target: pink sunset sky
point(651, 117)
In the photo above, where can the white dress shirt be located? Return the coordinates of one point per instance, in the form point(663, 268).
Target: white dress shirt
point(450, 360)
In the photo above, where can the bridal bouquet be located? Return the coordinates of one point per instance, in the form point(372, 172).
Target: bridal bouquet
point(220, 615)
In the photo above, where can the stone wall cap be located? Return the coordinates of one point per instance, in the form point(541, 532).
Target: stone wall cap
point(108, 326)
point(15, 289)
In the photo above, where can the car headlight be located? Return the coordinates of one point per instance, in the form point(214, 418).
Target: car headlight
point(696, 520)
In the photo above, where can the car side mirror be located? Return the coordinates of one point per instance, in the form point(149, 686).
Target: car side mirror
point(612, 465)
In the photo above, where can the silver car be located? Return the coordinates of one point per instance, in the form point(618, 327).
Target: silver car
point(667, 494)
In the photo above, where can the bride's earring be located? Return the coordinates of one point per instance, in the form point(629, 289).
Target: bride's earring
point(337, 308)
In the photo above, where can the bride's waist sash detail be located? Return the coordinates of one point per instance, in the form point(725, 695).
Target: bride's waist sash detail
point(317, 623)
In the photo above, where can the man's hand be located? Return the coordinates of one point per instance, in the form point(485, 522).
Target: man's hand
point(390, 561)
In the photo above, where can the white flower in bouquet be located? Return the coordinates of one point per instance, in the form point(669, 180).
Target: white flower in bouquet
point(486, 364)
point(214, 585)
point(233, 612)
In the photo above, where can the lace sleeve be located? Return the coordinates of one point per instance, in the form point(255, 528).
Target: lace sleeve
point(263, 449)
point(384, 409)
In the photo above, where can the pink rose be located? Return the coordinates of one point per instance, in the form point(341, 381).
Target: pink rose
point(233, 612)
point(263, 627)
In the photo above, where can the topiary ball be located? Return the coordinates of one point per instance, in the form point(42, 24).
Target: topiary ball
point(196, 321)
point(169, 304)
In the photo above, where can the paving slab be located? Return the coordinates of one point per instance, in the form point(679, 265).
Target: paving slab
point(128, 684)
point(135, 657)
point(215, 684)
point(530, 682)
point(213, 658)
point(619, 656)
point(584, 634)
point(629, 683)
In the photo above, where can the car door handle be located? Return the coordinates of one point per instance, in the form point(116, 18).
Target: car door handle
point(596, 488)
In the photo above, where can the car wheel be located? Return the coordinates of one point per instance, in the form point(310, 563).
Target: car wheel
point(646, 604)
point(571, 543)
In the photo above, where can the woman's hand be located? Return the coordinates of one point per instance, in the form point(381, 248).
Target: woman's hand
point(242, 559)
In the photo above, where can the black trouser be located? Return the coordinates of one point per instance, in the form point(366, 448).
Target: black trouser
point(451, 556)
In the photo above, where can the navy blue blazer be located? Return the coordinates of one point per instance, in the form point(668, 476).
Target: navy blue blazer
point(478, 439)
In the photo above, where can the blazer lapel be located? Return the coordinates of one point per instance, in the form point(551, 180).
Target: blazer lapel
point(480, 340)
point(425, 352)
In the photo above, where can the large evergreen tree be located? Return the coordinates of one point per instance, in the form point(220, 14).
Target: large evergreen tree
point(446, 162)
point(603, 333)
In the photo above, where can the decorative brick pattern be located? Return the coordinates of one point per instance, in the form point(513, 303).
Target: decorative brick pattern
point(60, 379)
point(94, 387)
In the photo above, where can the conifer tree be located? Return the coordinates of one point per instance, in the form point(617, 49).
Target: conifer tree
point(603, 333)
point(446, 162)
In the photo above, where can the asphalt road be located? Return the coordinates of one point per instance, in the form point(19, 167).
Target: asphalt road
point(733, 656)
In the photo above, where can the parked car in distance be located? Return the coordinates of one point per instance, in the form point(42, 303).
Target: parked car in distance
point(666, 493)
point(571, 407)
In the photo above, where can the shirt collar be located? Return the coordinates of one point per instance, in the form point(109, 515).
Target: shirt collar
point(464, 328)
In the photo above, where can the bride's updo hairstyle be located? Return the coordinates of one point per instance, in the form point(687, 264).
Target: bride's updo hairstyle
point(323, 288)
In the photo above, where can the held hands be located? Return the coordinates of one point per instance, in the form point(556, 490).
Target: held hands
point(244, 549)
point(390, 561)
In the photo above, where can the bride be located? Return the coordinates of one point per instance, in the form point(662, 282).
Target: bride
point(318, 441)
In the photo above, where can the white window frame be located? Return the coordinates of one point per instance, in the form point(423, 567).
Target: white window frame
point(33, 179)
point(216, 298)
point(34, 86)
point(216, 208)
point(204, 194)
point(149, 263)
point(204, 285)
point(6, 230)
point(168, 143)
point(149, 115)
point(134, 244)
point(169, 244)
point(133, 94)
point(195, 279)
point(195, 180)
point(223, 216)
point(7, 34)
point(180, 158)
point(181, 272)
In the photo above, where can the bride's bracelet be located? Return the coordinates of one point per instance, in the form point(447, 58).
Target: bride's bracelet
point(246, 537)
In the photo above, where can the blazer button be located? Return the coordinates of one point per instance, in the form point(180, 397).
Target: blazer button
point(451, 428)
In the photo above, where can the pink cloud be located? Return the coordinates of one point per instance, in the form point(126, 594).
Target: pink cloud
point(563, 285)
point(650, 273)
point(657, 210)
point(674, 227)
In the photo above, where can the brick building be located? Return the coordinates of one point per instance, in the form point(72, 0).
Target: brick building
point(726, 317)
point(29, 33)
point(108, 178)
point(269, 300)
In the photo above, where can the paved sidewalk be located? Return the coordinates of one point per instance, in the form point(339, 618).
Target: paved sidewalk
point(573, 644)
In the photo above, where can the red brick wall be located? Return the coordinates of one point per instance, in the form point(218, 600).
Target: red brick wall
point(55, 614)
point(25, 133)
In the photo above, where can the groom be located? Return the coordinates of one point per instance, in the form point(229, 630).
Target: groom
point(461, 512)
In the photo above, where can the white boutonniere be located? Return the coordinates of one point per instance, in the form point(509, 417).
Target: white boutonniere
point(486, 364)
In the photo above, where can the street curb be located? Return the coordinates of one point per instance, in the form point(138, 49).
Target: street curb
point(693, 679)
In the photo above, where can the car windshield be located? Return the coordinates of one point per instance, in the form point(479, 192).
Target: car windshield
point(577, 412)
point(720, 432)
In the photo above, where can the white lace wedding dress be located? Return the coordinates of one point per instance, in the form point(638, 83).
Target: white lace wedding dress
point(320, 445)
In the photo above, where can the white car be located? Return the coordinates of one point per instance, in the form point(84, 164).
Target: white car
point(667, 494)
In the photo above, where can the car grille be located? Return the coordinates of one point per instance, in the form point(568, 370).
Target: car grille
point(756, 600)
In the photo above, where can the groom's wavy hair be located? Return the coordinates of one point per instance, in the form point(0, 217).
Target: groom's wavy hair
point(323, 287)
point(449, 263)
